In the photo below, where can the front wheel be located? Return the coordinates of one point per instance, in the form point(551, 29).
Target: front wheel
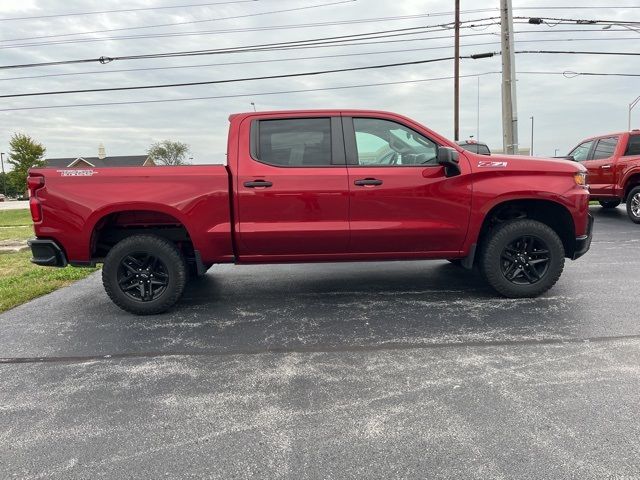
point(144, 274)
point(633, 205)
point(522, 258)
point(609, 203)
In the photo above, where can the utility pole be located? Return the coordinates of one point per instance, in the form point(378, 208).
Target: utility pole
point(509, 105)
point(456, 77)
point(531, 149)
point(478, 112)
point(631, 105)
point(4, 177)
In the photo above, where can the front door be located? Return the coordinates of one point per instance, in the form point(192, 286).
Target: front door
point(601, 166)
point(292, 189)
point(401, 200)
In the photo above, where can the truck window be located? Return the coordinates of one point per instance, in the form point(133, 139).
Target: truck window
point(633, 148)
point(605, 148)
point(295, 142)
point(385, 143)
point(581, 152)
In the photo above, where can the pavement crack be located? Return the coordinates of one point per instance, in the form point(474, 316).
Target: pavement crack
point(311, 349)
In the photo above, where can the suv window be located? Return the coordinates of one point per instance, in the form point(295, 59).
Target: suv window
point(605, 148)
point(633, 148)
point(581, 152)
point(295, 142)
point(386, 143)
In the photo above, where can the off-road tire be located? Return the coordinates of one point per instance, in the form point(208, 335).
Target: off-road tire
point(634, 196)
point(491, 257)
point(609, 203)
point(160, 248)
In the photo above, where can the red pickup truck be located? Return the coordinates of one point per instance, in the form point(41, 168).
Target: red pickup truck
point(613, 164)
point(314, 186)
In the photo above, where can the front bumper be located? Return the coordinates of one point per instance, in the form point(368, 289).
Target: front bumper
point(47, 253)
point(583, 242)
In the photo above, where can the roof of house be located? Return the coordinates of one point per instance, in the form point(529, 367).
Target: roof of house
point(118, 161)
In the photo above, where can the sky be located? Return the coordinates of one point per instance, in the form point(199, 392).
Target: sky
point(565, 110)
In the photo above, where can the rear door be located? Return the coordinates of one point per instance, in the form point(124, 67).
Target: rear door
point(292, 193)
point(601, 166)
point(401, 201)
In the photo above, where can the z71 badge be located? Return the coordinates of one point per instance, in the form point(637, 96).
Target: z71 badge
point(489, 164)
point(76, 173)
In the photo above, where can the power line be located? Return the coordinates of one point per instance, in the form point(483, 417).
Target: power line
point(313, 57)
point(231, 80)
point(632, 54)
point(244, 48)
point(306, 7)
point(306, 90)
point(141, 9)
point(221, 31)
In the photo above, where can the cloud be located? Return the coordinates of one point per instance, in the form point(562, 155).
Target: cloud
point(565, 110)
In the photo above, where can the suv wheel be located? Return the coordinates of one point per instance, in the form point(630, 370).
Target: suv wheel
point(633, 205)
point(144, 274)
point(609, 203)
point(522, 258)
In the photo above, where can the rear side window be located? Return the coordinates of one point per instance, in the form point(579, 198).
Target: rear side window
point(295, 142)
point(634, 145)
point(605, 148)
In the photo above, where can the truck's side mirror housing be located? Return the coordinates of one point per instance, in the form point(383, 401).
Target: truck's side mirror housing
point(449, 159)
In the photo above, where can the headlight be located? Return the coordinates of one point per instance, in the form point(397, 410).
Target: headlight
point(580, 179)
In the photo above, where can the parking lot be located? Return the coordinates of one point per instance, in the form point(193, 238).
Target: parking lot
point(372, 370)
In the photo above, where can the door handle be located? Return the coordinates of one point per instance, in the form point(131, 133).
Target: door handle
point(258, 183)
point(605, 166)
point(367, 181)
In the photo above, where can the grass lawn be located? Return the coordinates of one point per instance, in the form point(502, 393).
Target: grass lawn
point(21, 280)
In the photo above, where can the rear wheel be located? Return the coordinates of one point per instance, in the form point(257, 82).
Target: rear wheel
point(633, 205)
point(522, 258)
point(144, 274)
point(609, 203)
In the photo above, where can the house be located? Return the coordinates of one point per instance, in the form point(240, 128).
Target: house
point(100, 161)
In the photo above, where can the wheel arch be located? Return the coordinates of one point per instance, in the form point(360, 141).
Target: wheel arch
point(551, 213)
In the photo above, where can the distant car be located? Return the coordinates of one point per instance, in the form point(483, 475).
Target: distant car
point(475, 147)
point(2, 198)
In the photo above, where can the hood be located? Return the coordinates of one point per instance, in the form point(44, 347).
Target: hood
point(521, 162)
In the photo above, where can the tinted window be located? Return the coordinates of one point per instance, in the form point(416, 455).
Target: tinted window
point(605, 148)
point(483, 150)
point(634, 145)
point(386, 143)
point(471, 147)
point(581, 152)
point(296, 142)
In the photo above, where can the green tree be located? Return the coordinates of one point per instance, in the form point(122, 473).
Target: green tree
point(24, 153)
point(169, 153)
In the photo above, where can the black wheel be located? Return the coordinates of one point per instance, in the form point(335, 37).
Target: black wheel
point(144, 274)
point(522, 258)
point(609, 203)
point(633, 205)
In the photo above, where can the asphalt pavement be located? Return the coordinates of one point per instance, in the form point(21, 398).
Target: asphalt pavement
point(353, 370)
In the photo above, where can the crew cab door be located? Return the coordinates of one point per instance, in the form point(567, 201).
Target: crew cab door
point(291, 184)
point(601, 166)
point(401, 201)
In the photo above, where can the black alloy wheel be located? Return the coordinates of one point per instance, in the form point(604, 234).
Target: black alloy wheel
point(144, 274)
point(525, 260)
point(142, 277)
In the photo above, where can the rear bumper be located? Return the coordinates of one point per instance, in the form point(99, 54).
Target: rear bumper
point(47, 253)
point(583, 242)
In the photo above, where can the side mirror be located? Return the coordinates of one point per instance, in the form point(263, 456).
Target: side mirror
point(449, 159)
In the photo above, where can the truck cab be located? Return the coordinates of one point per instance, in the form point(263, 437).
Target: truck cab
point(613, 165)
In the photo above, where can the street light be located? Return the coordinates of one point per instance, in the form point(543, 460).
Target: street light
point(631, 106)
point(254, 106)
